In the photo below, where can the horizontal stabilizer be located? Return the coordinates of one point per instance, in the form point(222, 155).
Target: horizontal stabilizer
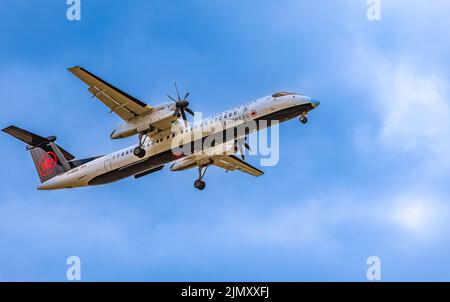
point(34, 140)
point(49, 159)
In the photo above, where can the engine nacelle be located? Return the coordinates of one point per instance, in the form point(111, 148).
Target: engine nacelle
point(160, 117)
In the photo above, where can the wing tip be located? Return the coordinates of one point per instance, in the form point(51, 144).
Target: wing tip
point(74, 68)
point(6, 129)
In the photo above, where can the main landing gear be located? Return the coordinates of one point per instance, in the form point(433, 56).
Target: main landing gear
point(199, 183)
point(303, 119)
point(139, 151)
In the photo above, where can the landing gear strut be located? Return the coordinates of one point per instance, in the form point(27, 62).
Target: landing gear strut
point(199, 183)
point(139, 151)
point(303, 119)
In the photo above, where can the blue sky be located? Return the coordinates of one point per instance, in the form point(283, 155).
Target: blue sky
point(367, 176)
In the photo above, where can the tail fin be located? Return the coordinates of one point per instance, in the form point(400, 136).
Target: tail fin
point(49, 158)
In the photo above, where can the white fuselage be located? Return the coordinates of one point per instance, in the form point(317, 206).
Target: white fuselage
point(161, 142)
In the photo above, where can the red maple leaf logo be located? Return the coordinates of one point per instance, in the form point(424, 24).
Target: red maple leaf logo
point(47, 164)
point(177, 154)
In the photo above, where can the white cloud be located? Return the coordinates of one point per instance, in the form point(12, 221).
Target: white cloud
point(411, 107)
point(414, 109)
point(407, 218)
point(417, 8)
point(407, 88)
point(57, 222)
point(420, 216)
point(290, 226)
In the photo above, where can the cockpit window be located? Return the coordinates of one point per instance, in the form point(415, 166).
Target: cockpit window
point(280, 94)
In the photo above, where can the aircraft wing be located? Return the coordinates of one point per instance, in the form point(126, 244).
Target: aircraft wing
point(119, 102)
point(232, 163)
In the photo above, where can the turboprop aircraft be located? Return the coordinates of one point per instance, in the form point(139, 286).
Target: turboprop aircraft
point(163, 138)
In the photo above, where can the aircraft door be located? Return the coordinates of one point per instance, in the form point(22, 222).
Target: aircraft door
point(108, 164)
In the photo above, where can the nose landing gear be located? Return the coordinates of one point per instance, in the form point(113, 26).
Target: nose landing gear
point(199, 183)
point(303, 119)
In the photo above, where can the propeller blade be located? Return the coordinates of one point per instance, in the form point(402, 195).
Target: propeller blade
point(248, 147)
point(171, 98)
point(239, 146)
point(183, 114)
point(181, 105)
point(178, 94)
point(188, 110)
point(242, 152)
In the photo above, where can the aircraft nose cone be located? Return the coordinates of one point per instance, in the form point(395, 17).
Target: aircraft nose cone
point(315, 103)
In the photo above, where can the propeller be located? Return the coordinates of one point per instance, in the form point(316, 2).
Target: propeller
point(240, 144)
point(182, 105)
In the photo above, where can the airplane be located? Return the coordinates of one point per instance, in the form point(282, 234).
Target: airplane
point(163, 138)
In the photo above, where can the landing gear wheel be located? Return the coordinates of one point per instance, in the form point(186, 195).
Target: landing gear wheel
point(199, 184)
point(303, 119)
point(139, 152)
